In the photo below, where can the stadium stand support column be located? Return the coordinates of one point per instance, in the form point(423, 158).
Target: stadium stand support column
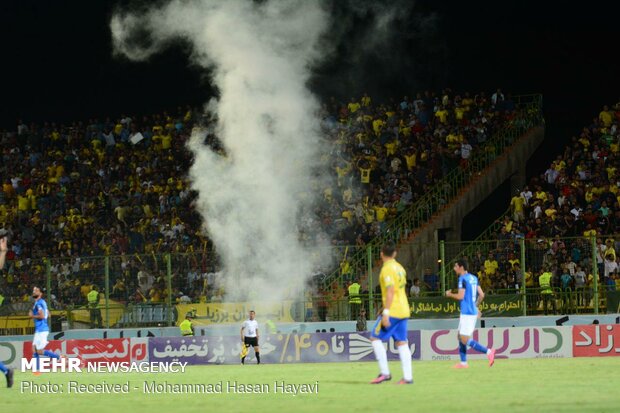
point(594, 273)
point(442, 257)
point(107, 291)
point(371, 283)
point(523, 270)
point(48, 281)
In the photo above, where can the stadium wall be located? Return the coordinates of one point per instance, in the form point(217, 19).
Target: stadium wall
point(592, 340)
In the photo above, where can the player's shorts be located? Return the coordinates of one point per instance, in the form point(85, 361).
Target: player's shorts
point(250, 341)
point(467, 324)
point(40, 340)
point(397, 329)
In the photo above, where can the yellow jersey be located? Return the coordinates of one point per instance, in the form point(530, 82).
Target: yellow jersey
point(393, 275)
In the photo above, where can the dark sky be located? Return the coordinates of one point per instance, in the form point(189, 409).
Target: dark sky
point(58, 63)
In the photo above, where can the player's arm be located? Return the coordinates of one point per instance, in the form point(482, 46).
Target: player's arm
point(40, 315)
point(389, 297)
point(458, 296)
point(480, 296)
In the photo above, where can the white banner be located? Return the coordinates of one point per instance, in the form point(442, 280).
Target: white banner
point(11, 353)
point(139, 349)
point(509, 342)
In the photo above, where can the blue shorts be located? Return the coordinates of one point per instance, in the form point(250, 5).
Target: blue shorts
point(397, 329)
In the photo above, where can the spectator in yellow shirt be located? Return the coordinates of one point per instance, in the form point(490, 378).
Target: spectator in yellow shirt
point(606, 116)
point(442, 114)
point(353, 106)
point(490, 265)
point(365, 100)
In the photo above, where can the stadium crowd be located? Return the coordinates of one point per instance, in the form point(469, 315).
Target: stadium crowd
point(558, 213)
point(119, 187)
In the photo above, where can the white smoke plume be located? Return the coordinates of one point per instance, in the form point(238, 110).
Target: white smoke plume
point(260, 56)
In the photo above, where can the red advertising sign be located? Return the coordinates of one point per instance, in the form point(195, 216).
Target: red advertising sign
point(596, 340)
point(114, 350)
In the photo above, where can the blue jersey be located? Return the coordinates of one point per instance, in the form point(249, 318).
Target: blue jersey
point(468, 304)
point(40, 307)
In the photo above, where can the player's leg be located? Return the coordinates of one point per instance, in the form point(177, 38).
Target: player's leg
point(404, 352)
point(35, 355)
point(462, 344)
point(466, 331)
point(462, 350)
point(8, 373)
point(376, 336)
point(257, 353)
point(44, 343)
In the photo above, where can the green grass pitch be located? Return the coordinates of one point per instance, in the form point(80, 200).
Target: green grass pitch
point(533, 385)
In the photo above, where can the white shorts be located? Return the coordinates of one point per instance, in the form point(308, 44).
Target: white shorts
point(467, 324)
point(40, 340)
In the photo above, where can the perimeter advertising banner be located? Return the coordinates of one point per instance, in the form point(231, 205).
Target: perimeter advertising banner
point(596, 340)
point(509, 342)
point(276, 348)
point(442, 307)
point(226, 313)
point(11, 353)
point(113, 350)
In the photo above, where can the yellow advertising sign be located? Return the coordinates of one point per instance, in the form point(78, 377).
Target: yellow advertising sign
point(233, 313)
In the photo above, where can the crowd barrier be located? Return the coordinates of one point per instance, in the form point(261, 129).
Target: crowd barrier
point(593, 340)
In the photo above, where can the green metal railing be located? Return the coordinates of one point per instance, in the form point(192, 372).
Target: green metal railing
point(447, 189)
point(506, 296)
point(481, 243)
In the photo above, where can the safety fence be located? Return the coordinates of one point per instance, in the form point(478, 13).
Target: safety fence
point(545, 275)
point(363, 308)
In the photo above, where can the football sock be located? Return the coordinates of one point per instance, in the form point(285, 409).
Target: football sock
point(381, 355)
point(257, 357)
point(3, 368)
point(405, 359)
point(36, 356)
point(477, 346)
point(463, 352)
point(51, 354)
point(243, 360)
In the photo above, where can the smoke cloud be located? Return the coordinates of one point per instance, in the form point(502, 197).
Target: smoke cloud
point(253, 193)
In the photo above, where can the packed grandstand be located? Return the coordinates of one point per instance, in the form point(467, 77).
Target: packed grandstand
point(119, 188)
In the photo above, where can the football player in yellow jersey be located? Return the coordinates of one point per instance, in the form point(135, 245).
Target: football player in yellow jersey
point(393, 321)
